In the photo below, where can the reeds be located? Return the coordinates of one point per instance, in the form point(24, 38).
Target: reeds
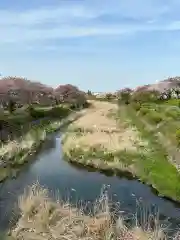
point(15, 150)
point(43, 218)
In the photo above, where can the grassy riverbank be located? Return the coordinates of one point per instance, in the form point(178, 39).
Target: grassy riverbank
point(108, 137)
point(21, 121)
point(42, 218)
point(157, 168)
point(17, 152)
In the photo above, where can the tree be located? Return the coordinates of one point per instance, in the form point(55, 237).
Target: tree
point(145, 96)
point(89, 93)
point(168, 93)
point(71, 94)
point(108, 96)
point(57, 102)
point(177, 92)
point(11, 106)
point(125, 95)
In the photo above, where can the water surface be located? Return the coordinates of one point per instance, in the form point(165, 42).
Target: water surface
point(49, 168)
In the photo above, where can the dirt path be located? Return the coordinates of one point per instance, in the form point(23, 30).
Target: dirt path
point(99, 128)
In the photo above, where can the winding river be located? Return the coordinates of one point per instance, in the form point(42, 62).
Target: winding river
point(49, 168)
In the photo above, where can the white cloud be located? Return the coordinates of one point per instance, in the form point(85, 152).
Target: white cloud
point(82, 20)
point(44, 15)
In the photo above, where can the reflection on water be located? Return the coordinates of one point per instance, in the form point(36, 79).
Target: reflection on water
point(75, 183)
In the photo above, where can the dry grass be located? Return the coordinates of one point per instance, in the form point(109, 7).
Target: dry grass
point(42, 218)
point(112, 142)
point(26, 143)
point(97, 134)
point(103, 130)
point(96, 117)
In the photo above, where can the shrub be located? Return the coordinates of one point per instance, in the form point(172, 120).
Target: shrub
point(124, 95)
point(144, 110)
point(173, 113)
point(55, 112)
point(11, 106)
point(86, 104)
point(136, 105)
point(154, 117)
point(172, 102)
point(72, 106)
point(178, 136)
point(36, 113)
point(58, 112)
point(145, 96)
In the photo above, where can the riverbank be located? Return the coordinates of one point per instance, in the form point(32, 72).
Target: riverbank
point(17, 152)
point(81, 185)
point(107, 137)
point(99, 140)
point(43, 218)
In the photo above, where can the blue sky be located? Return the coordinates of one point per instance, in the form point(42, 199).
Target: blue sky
point(102, 45)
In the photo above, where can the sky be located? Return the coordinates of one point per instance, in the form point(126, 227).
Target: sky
point(101, 45)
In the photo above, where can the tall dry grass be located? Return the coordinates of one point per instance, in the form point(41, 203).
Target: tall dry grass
point(44, 219)
point(99, 129)
point(100, 140)
point(26, 143)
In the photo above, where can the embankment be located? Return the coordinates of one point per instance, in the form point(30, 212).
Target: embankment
point(17, 152)
point(106, 137)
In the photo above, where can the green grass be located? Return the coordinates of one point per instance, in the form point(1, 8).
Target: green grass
point(155, 169)
point(171, 102)
point(164, 116)
point(19, 123)
point(3, 236)
point(4, 172)
point(149, 162)
point(96, 152)
point(169, 129)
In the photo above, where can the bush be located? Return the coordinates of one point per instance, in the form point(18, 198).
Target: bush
point(173, 113)
point(172, 102)
point(87, 104)
point(124, 96)
point(55, 112)
point(178, 136)
point(136, 106)
point(144, 110)
point(154, 117)
point(36, 113)
point(58, 112)
point(11, 106)
point(145, 96)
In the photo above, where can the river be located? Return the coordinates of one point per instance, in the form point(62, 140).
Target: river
point(49, 168)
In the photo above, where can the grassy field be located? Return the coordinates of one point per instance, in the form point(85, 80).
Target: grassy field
point(163, 119)
point(108, 137)
point(43, 219)
point(157, 168)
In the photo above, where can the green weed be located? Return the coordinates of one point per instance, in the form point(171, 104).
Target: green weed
point(155, 169)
